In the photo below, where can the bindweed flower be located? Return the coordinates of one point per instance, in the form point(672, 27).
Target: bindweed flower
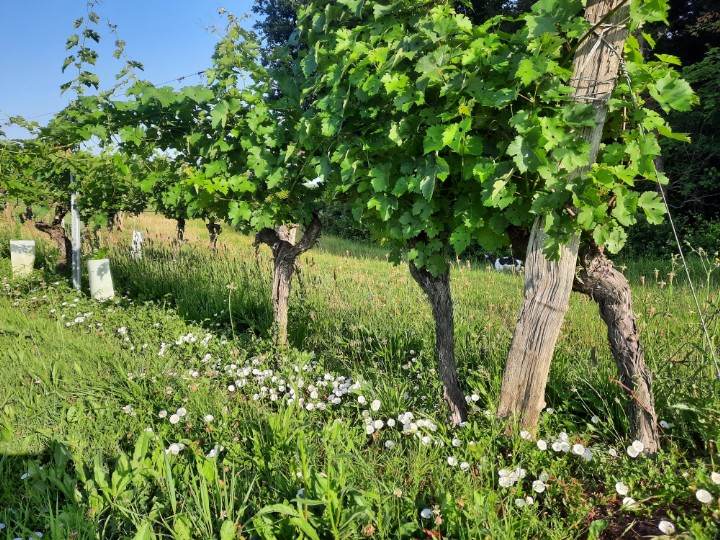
point(665, 425)
point(181, 412)
point(525, 434)
point(666, 527)
point(464, 466)
point(452, 461)
point(538, 486)
point(621, 488)
point(456, 443)
point(389, 444)
point(541, 444)
point(629, 502)
point(595, 419)
point(208, 418)
point(426, 513)
point(635, 449)
point(715, 477)
point(375, 405)
point(703, 496)
point(174, 419)
point(162, 414)
point(578, 449)
point(361, 400)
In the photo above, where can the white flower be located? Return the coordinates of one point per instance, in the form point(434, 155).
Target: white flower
point(208, 418)
point(621, 488)
point(541, 444)
point(475, 397)
point(426, 513)
point(520, 503)
point(665, 425)
point(369, 429)
point(613, 452)
point(23, 476)
point(375, 405)
point(578, 449)
point(464, 466)
point(162, 414)
point(379, 424)
point(638, 445)
point(390, 422)
point(505, 482)
point(629, 502)
point(426, 440)
point(174, 419)
point(525, 434)
point(595, 419)
point(231, 388)
point(550, 410)
point(175, 448)
point(666, 527)
point(703, 496)
point(715, 477)
point(538, 486)
point(587, 455)
point(300, 492)
point(2, 526)
point(529, 501)
point(389, 444)
point(452, 461)
point(122, 331)
point(361, 400)
point(456, 442)
point(632, 452)
point(181, 412)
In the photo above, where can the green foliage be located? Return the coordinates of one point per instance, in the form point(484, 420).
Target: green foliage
point(443, 131)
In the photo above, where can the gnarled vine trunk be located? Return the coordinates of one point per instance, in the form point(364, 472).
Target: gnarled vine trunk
point(180, 229)
point(599, 280)
point(437, 289)
point(285, 252)
point(57, 234)
point(214, 229)
point(548, 283)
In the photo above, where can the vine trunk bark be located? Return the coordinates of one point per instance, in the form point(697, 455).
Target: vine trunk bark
point(214, 229)
point(599, 280)
point(548, 283)
point(57, 233)
point(437, 289)
point(285, 252)
point(180, 229)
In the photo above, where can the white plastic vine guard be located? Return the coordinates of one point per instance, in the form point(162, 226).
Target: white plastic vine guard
point(22, 256)
point(101, 285)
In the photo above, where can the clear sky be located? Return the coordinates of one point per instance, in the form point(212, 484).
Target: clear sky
point(171, 38)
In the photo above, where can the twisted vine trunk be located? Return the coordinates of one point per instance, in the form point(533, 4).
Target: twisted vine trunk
point(285, 252)
point(548, 283)
point(57, 234)
point(214, 229)
point(599, 280)
point(180, 229)
point(437, 289)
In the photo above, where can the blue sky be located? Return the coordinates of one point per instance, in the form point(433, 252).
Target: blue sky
point(171, 38)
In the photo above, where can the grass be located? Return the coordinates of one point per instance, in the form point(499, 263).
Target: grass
point(85, 452)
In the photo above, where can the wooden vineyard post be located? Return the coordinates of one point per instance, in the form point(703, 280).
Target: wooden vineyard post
point(548, 283)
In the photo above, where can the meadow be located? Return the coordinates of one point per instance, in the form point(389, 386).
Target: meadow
point(167, 413)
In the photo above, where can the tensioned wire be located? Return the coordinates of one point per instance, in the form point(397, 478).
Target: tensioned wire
point(643, 132)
